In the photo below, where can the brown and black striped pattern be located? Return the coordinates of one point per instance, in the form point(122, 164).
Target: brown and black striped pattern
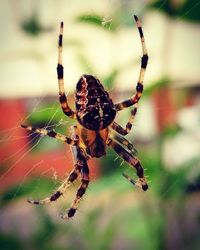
point(94, 109)
point(123, 141)
point(128, 155)
point(139, 87)
point(132, 160)
point(96, 128)
point(50, 133)
point(80, 192)
point(62, 189)
point(129, 124)
point(60, 73)
point(80, 167)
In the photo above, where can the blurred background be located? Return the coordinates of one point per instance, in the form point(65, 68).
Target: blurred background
point(101, 38)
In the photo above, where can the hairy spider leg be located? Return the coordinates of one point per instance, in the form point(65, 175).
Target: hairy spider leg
point(69, 180)
point(84, 183)
point(132, 160)
point(52, 134)
point(60, 73)
point(129, 124)
point(122, 140)
point(62, 189)
point(139, 87)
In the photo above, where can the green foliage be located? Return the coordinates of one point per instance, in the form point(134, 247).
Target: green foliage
point(45, 113)
point(49, 116)
point(171, 131)
point(92, 19)
point(10, 242)
point(109, 163)
point(32, 26)
point(141, 225)
point(98, 21)
point(114, 181)
point(173, 184)
point(165, 81)
point(188, 10)
point(47, 230)
point(29, 187)
point(97, 234)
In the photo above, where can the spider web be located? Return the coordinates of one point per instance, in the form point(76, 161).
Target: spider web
point(9, 133)
point(19, 155)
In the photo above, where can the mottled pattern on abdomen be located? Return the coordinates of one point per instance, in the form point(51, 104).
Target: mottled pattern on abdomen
point(94, 109)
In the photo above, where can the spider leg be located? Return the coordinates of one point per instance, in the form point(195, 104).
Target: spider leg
point(79, 159)
point(130, 158)
point(62, 189)
point(51, 133)
point(129, 124)
point(60, 73)
point(120, 139)
point(81, 190)
point(139, 88)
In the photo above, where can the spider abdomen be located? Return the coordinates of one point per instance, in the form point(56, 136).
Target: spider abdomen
point(94, 108)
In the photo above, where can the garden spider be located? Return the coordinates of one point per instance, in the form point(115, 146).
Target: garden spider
point(96, 128)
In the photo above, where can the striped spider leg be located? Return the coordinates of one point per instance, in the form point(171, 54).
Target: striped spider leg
point(115, 126)
point(95, 127)
point(80, 167)
point(122, 140)
point(81, 159)
point(51, 133)
point(60, 74)
point(129, 156)
point(139, 88)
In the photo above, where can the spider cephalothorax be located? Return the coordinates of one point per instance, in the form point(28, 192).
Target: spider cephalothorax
point(95, 128)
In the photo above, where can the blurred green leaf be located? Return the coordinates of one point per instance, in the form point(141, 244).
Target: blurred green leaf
point(45, 113)
point(10, 242)
point(32, 26)
point(101, 238)
point(29, 187)
point(49, 116)
point(47, 230)
point(188, 10)
point(165, 81)
point(92, 19)
point(171, 131)
point(99, 21)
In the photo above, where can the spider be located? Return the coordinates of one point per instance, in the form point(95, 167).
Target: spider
point(95, 128)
